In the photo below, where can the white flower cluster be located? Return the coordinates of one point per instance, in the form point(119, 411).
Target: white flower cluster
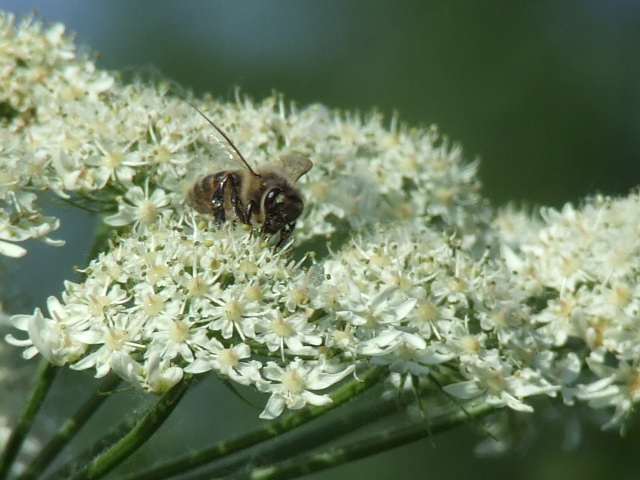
point(171, 297)
point(60, 134)
point(184, 297)
point(418, 277)
point(585, 264)
point(32, 65)
point(70, 129)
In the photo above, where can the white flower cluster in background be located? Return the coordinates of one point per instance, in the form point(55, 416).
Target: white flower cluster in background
point(418, 276)
point(586, 263)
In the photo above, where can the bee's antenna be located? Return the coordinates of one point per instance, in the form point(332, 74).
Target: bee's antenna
point(224, 135)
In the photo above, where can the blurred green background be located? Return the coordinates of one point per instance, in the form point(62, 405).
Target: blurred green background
point(546, 94)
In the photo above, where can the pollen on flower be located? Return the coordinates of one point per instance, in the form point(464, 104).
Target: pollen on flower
point(228, 358)
point(161, 154)
point(499, 318)
point(113, 160)
point(427, 312)
point(569, 266)
point(300, 295)
point(620, 255)
point(596, 328)
point(233, 311)
point(495, 382)
point(147, 212)
point(248, 267)
point(153, 304)
point(564, 307)
point(470, 344)
point(254, 293)
point(7, 178)
point(403, 282)
point(157, 272)
point(404, 211)
point(342, 338)
point(320, 190)
point(281, 327)
point(71, 92)
point(116, 339)
point(446, 195)
point(98, 304)
point(178, 331)
point(196, 286)
point(292, 381)
point(114, 271)
point(380, 259)
point(620, 295)
point(633, 384)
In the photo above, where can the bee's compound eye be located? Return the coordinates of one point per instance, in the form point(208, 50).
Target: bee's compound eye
point(272, 197)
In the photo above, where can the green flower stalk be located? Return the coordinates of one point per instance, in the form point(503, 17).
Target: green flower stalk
point(397, 265)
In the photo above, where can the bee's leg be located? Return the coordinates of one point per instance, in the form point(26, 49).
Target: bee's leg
point(217, 199)
point(234, 196)
point(251, 207)
point(285, 233)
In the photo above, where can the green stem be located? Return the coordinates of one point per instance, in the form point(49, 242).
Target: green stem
point(107, 441)
point(269, 431)
point(44, 378)
point(133, 439)
point(319, 433)
point(373, 444)
point(69, 429)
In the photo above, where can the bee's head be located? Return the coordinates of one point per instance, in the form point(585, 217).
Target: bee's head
point(281, 207)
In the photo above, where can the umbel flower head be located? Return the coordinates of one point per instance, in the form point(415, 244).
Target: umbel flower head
point(396, 260)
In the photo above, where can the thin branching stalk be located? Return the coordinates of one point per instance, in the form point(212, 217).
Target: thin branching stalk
point(135, 438)
point(351, 418)
point(261, 435)
point(70, 427)
point(372, 445)
point(44, 379)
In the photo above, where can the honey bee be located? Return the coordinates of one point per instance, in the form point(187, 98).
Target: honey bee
point(266, 196)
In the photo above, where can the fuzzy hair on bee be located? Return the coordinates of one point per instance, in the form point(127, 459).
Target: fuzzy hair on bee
point(265, 196)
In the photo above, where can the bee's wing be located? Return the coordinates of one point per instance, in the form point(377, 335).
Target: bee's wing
point(294, 166)
point(221, 155)
point(212, 155)
point(220, 147)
